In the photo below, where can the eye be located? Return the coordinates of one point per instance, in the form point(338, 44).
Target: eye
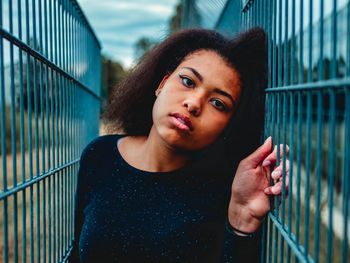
point(218, 104)
point(187, 81)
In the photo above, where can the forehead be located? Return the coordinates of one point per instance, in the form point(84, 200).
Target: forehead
point(211, 66)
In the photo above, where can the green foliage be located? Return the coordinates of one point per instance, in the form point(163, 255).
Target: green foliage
point(142, 46)
point(112, 73)
point(8, 130)
point(176, 20)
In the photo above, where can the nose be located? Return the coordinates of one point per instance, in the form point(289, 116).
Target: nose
point(193, 105)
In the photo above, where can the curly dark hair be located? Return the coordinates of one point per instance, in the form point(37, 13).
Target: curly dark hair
point(130, 106)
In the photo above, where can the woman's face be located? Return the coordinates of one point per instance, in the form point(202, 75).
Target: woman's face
point(195, 103)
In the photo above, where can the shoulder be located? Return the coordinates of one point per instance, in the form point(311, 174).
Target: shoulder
point(100, 146)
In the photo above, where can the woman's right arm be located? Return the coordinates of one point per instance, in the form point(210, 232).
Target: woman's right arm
point(80, 202)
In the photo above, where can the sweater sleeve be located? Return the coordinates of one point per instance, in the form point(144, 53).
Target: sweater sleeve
point(80, 201)
point(240, 248)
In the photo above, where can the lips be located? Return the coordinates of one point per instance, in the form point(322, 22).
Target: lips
point(182, 122)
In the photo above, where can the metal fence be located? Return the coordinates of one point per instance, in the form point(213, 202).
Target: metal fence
point(308, 108)
point(49, 106)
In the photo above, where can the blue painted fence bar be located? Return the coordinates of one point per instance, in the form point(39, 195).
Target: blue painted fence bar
point(49, 107)
point(308, 109)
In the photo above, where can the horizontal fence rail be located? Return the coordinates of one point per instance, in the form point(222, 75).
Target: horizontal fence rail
point(308, 109)
point(49, 108)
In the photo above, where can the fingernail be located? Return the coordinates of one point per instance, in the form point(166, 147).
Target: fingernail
point(266, 163)
point(276, 189)
point(266, 191)
point(276, 174)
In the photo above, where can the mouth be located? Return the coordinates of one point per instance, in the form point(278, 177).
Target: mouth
point(182, 122)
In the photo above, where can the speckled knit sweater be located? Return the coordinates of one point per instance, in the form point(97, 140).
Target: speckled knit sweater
point(123, 214)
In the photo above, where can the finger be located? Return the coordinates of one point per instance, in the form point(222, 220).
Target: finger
point(278, 171)
point(273, 190)
point(261, 153)
point(272, 157)
point(286, 187)
point(276, 189)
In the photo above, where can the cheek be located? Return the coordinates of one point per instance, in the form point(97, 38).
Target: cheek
point(212, 127)
point(160, 107)
point(220, 125)
point(156, 110)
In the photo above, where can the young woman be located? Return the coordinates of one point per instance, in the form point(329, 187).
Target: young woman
point(192, 115)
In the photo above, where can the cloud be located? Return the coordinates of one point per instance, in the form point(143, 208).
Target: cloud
point(119, 24)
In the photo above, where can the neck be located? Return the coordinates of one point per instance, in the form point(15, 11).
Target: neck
point(151, 154)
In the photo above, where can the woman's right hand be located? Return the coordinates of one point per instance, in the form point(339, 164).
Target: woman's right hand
point(251, 187)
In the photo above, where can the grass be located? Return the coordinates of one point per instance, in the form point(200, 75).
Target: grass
point(22, 229)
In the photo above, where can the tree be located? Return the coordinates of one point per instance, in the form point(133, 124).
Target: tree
point(176, 20)
point(142, 46)
point(112, 73)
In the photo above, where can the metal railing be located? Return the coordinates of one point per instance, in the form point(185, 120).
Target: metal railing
point(307, 108)
point(49, 107)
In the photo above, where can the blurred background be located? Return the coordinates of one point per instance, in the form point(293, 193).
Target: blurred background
point(61, 59)
point(127, 30)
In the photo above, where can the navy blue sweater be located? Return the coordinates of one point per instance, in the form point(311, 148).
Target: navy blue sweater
point(123, 214)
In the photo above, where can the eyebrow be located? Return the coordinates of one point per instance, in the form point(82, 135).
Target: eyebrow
point(195, 72)
point(219, 91)
point(224, 93)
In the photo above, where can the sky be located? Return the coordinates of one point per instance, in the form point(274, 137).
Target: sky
point(118, 24)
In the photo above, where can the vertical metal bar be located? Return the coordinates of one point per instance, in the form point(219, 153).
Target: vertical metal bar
point(331, 149)
point(299, 143)
point(36, 136)
point(267, 128)
point(30, 147)
point(69, 97)
point(69, 109)
point(269, 45)
point(274, 27)
point(308, 173)
point(61, 174)
point(346, 173)
point(13, 138)
point(42, 112)
point(284, 121)
point(321, 39)
point(56, 154)
point(286, 55)
point(334, 41)
point(280, 44)
point(318, 173)
point(346, 168)
point(348, 40)
point(292, 62)
point(277, 139)
point(331, 153)
point(66, 101)
point(273, 112)
point(63, 130)
point(3, 140)
point(319, 140)
point(310, 41)
point(52, 122)
point(291, 159)
point(291, 131)
point(21, 102)
point(301, 43)
point(284, 151)
point(299, 125)
point(47, 110)
point(60, 21)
